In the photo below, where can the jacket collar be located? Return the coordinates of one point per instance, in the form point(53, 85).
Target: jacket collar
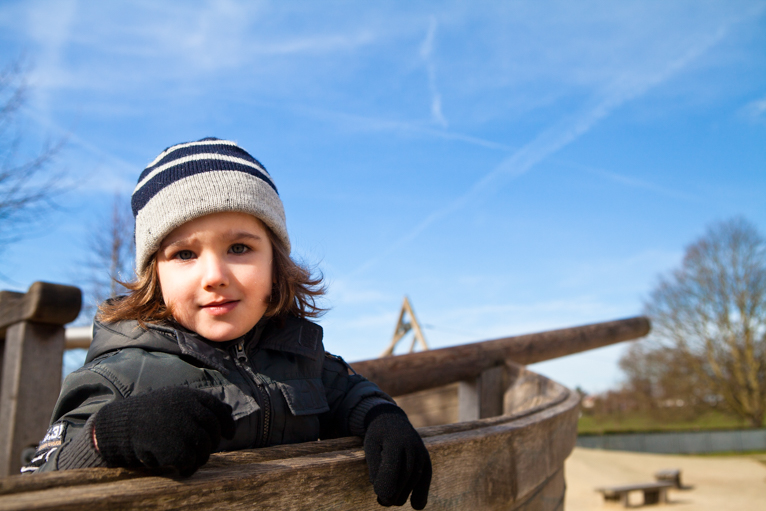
point(287, 334)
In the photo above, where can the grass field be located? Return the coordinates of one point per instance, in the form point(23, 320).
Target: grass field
point(643, 422)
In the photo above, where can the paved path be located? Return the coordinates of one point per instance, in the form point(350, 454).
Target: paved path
point(720, 482)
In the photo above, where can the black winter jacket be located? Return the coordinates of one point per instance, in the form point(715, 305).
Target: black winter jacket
point(281, 384)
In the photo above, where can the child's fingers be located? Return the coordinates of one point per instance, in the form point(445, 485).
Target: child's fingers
point(373, 455)
point(420, 491)
point(398, 460)
point(409, 470)
point(391, 477)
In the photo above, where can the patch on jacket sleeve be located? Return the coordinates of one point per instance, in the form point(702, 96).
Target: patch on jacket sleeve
point(48, 445)
point(54, 437)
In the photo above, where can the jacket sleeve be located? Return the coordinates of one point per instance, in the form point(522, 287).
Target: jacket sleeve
point(350, 397)
point(68, 442)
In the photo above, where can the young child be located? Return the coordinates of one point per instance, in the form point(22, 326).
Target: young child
point(211, 349)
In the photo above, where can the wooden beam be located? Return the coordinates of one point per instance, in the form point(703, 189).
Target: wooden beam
point(413, 372)
point(53, 304)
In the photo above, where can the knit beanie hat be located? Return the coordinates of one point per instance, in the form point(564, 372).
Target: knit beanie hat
point(195, 179)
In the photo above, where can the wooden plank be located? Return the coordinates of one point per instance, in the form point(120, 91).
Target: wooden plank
point(635, 487)
point(414, 372)
point(31, 381)
point(431, 407)
point(508, 462)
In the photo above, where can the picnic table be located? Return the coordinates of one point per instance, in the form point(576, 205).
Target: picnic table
point(654, 493)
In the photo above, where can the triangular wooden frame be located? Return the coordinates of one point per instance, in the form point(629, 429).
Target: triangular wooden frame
point(402, 327)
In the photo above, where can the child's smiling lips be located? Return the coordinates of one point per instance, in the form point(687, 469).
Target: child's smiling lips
point(221, 307)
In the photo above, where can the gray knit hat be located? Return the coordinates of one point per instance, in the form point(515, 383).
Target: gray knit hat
point(195, 179)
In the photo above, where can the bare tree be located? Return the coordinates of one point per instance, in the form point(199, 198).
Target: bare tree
point(111, 253)
point(712, 313)
point(660, 381)
point(27, 183)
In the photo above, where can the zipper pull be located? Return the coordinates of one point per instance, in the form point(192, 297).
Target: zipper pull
point(241, 355)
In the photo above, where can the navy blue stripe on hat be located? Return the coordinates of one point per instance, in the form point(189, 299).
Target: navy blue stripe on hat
point(206, 145)
point(184, 160)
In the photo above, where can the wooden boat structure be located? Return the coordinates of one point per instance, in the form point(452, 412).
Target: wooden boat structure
point(498, 434)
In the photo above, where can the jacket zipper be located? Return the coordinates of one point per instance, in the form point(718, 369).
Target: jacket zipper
point(260, 388)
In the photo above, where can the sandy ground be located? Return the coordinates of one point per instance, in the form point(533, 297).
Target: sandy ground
point(720, 482)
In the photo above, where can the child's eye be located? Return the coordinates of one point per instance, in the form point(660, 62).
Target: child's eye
point(239, 248)
point(184, 255)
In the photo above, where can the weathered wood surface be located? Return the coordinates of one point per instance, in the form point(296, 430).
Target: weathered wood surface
point(414, 372)
point(511, 462)
point(32, 333)
point(431, 407)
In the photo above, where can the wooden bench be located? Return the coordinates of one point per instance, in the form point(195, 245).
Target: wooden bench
point(654, 493)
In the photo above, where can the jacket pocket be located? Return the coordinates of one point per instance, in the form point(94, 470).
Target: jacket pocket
point(305, 396)
point(241, 404)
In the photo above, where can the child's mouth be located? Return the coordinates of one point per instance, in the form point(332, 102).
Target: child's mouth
point(220, 308)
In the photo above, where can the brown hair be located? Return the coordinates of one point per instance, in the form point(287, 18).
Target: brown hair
point(294, 292)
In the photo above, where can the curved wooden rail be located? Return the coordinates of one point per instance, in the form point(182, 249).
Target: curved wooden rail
point(510, 462)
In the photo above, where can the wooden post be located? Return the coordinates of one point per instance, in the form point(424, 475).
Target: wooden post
point(468, 400)
point(482, 397)
point(32, 327)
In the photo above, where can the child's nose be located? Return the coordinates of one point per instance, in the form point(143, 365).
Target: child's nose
point(215, 273)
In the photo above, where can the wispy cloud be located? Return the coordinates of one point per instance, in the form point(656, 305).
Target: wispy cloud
point(51, 28)
point(120, 175)
point(621, 90)
point(635, 272)
point(426, 53)
point(369, 123)
point(756, 110)
point(631, 182)
point(150, 43)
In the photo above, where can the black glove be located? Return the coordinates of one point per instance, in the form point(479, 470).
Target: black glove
point(397, 458)
point(173, 426)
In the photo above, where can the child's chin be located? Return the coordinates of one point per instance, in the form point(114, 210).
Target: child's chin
point(221, 334)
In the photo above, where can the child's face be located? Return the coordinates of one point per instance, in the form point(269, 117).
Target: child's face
point(216, 273)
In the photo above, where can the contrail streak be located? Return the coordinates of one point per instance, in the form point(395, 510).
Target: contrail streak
point(552, 140)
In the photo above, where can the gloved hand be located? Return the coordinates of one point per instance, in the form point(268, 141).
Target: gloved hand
point(173, 426)
point(396, 457)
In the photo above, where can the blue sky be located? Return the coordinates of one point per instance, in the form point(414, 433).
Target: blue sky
point(510, 166)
